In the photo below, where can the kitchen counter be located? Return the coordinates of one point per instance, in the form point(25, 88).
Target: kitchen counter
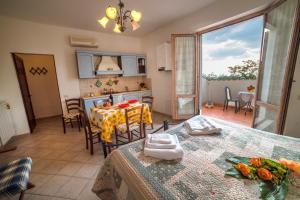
point(115, 94)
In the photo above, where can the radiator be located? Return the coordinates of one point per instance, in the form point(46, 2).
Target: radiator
point(7, 129)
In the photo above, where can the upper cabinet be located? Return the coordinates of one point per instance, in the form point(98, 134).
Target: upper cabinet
point(163, 57)
point(85, 65)
point(129, 65)
point(110, 64)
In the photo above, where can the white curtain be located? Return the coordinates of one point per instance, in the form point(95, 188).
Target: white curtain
point(185, 65)
point(185, 74)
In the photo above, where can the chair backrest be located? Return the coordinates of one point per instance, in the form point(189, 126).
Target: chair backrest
point(100, 102)
point(73, 104)
point(134, 115)
point(227, 93)
point(148, 100)
point(85, 121)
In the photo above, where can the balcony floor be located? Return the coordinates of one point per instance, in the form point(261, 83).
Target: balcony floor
point(229, 115)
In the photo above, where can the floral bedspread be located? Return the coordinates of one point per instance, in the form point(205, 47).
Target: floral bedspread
point(128, 174)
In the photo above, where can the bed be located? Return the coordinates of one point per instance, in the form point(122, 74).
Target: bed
point(128, 174)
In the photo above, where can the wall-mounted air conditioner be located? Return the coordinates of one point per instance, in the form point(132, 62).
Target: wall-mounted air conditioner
point(83, 42)
point(163, 56)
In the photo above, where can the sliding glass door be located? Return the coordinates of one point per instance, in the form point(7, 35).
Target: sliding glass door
point(274, 66)
point(185, 76)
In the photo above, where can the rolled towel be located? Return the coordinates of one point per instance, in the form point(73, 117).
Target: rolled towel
point(152, 145)
point(205, 132)
point(161, 138)
point(166, 154)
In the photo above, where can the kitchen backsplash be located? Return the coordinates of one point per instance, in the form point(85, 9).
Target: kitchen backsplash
point(119, 84)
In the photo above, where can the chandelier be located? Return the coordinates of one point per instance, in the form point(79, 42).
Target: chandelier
point(121, 17)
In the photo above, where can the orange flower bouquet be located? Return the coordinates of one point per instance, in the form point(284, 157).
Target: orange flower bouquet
point(272, 175)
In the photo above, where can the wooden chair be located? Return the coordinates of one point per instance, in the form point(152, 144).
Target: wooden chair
point(148, 100)
point(73, 106)
point(133, 123)
point(91, 131)
point(228, 98)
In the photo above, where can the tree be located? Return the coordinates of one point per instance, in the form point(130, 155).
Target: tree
point(248, 70)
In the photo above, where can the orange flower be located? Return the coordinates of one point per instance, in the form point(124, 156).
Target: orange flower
point(255, 162)
point(293, 165)
point(243, 168)
point(264, 174)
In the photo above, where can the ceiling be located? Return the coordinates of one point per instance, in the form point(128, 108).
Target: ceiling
point(83, 14)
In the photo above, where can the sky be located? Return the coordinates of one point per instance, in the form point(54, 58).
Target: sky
point(231, 45)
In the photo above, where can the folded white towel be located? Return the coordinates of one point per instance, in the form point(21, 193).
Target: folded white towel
point(161, 139)
point(201, 127)
point(166, 154)
point(150, 144)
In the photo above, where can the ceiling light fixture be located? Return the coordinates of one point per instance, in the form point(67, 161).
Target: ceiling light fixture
point(120, 16)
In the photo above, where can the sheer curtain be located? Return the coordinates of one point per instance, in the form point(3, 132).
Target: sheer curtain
point(185, 74)
point(277, 39)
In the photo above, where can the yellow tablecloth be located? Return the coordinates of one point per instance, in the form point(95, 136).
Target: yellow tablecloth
point(108, 119)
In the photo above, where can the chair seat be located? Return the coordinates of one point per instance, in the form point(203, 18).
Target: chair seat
point(71, 115)
point(123, 127)
point(14, 176)
point(95, 129)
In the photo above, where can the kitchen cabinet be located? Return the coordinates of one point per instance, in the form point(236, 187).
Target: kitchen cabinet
point(131, 95)
point(163, 57)
point(85, 65)
point(141, 65)
point(129, 65)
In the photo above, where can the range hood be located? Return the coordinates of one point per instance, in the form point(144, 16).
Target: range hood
point(108, 65)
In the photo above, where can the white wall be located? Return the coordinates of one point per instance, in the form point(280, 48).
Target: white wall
point(217, 89)
point(293, 115)
point(213, 13)
point(28, 37)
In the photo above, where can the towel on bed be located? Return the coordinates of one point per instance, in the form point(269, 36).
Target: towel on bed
point(201, 127)
point(161, 138)
point(150, 144)
point(166, 154)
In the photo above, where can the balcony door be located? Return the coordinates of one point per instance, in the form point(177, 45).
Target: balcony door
point(276, 66)
point(185, 76)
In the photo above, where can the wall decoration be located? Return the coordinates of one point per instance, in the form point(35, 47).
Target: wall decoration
point(110, 82)
point(38, 71)
point(98, 83)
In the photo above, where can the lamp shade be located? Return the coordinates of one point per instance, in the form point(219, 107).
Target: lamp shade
point(135, 15)
point(111, 12)
point(134, 25)
point(117, 28)
point(103, 21)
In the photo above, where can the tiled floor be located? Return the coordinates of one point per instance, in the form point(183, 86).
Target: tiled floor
point(229, 115)
point(62, 167)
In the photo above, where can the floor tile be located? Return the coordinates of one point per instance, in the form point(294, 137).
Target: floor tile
point(70, 169)
point(53, 185)
point(73, 188)
point(87, 171)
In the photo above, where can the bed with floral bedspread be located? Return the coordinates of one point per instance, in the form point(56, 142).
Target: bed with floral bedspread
point(128, 174)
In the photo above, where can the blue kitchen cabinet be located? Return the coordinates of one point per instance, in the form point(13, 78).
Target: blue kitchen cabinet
point(85, 65)
point(129, 65)
point(129, 96)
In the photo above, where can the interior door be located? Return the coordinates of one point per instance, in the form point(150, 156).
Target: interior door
point(279, 32)
point(185, 76)
point(25, 91)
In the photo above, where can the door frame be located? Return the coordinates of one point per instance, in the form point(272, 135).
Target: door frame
point(56, 77)
point(282, 108)
point(197, 77)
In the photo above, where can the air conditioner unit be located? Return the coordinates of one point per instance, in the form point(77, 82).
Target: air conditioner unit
point(83, 42)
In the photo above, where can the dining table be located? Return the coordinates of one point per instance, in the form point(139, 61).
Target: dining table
point(108, 118)
point(247, 99)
